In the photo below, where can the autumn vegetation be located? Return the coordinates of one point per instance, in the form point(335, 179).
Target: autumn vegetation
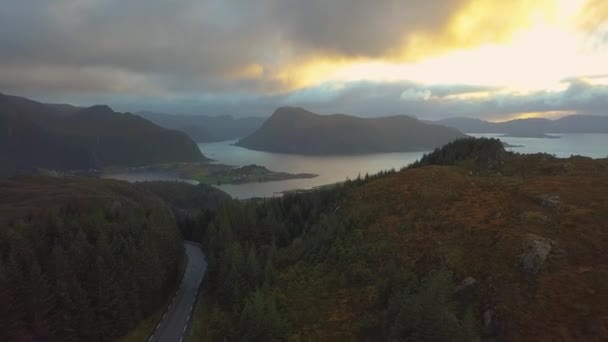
point(434, 252)
point(470, 243)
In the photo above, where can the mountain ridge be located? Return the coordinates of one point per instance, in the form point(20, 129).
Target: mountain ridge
point(299, 131)
point(578, 123)
point(34, 135)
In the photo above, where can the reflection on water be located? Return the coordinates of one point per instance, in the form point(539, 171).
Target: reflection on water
point(331, 169)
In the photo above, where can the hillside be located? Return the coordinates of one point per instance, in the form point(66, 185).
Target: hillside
point(488, 244)
point(202, 128)
point(60, 137)
point(295, 130)
point(82, 259)
point(535, 127)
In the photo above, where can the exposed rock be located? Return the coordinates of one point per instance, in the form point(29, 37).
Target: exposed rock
point(487, 318)
point(538, 250)
point(467, 282)
point(550, 201)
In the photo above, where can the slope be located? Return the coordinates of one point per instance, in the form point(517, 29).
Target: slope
point(488, 244)
point(202, 128)
point(35, 135)
point(295, 130)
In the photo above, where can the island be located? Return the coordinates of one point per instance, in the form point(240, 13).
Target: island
point(535, 135)
point(531, 127)
point(210, 173)
point(298, 131)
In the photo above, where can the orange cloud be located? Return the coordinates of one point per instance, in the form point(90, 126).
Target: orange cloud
point(594, 14)
point(474, 25)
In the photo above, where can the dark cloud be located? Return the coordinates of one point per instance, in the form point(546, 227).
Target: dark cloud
point(361, 27)
point(202, 45)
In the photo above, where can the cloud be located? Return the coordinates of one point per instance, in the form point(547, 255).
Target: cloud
point(248, 57)
point(412, 94)
point(371, 99)
point(221, 46)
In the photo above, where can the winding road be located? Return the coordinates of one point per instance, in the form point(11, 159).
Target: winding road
point(174, 323)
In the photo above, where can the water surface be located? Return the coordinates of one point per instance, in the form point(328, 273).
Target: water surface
point(331, 169)
point(584, 144)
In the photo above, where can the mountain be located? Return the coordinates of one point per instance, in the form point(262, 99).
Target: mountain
point(531, 127)
point(296, 130)
point(201, 128)
point(471, 244)
point(61, 137)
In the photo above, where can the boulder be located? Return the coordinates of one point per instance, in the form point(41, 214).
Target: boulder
point(537, 251)
point(550, 201)
point(487, 318)
point(466, 283)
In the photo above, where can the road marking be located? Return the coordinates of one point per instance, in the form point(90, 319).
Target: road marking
point(183, 289)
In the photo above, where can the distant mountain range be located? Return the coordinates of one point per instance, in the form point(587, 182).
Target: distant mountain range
point(298, 131)
point(531, 127)
point(203, 128)
point(34, 135)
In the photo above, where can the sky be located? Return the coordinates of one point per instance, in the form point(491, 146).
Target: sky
point(490, 59)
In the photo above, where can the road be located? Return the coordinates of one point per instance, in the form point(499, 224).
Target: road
point(174, 323)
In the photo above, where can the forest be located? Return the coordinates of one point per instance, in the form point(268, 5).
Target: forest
point(429, 253)
point(82, 259)
point(273, 265)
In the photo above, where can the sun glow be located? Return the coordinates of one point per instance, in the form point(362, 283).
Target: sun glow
point(538, 51)
point(535, 115)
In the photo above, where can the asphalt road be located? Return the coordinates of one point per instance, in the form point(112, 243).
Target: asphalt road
point(174, 323)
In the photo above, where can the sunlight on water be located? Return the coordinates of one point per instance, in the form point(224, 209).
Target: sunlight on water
point(331, 169)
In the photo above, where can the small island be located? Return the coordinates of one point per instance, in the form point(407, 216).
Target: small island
point(211, 173)
point(507, 145)
point(530, 135)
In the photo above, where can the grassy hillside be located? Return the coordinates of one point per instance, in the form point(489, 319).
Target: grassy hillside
point(460, 251)
point(82, 259)
point(295, 130)
point(35, 135)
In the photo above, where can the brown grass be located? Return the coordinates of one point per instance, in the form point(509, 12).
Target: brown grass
point(479, 227)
